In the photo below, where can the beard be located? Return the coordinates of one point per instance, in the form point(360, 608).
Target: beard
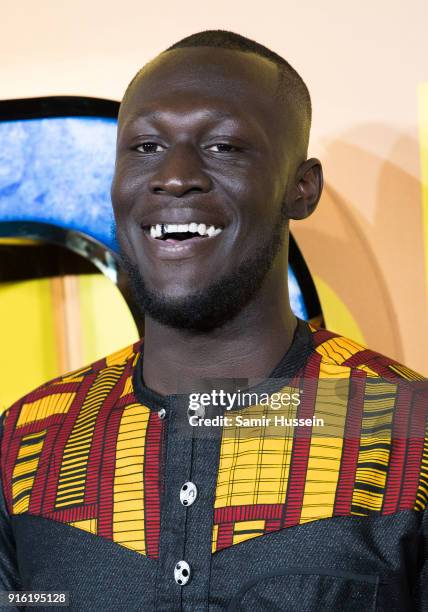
point(210, 308)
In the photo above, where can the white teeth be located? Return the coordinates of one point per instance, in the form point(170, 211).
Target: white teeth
point(156, 231)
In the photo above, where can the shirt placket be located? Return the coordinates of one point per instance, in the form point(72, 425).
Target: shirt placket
point(187, 508)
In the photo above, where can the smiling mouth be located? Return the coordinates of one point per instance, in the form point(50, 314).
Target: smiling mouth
point(179, 232)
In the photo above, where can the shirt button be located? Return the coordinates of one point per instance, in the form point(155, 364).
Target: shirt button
point(188, 493)
point(198, 412)
point(162, 413)
point(182, 573)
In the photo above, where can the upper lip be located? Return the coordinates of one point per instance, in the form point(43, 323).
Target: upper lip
point(183, 215)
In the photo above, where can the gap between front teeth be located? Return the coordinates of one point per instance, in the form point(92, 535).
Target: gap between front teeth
point(194, 228)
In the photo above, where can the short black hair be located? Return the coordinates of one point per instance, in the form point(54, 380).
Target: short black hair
point(291, 85)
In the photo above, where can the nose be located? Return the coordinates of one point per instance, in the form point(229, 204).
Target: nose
point(179, 173)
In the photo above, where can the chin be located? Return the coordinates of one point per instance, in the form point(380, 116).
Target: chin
point(176, 294)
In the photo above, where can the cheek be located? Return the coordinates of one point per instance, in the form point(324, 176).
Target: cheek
point(127, 184)
point(259, 198)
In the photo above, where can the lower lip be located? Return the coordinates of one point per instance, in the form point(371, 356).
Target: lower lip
point(180, 249)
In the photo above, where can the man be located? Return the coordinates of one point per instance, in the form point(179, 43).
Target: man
point(143, 482)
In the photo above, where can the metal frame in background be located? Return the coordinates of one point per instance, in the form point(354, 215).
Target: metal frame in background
point(102, 256)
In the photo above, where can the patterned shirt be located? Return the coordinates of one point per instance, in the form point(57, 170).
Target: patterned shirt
point(316, 502)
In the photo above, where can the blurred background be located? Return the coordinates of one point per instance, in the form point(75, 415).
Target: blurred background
point(358, 266)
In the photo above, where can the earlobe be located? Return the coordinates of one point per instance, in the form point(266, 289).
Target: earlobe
point(307, 192)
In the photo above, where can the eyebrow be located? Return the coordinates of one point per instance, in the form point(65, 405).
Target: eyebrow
point(151, 114)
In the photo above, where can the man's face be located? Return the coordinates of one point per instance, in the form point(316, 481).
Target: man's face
point(202, 143)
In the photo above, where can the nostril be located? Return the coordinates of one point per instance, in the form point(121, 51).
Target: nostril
point(195, 190)
point(176, 190)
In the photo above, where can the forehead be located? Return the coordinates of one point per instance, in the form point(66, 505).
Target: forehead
point(226, 81)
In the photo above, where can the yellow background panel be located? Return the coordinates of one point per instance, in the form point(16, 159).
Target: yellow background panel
point(27, 357)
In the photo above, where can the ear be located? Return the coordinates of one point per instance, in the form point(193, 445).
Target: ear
point(306, 192)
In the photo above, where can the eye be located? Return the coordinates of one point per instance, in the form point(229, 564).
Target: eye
point(150, 147)
point(222, 147)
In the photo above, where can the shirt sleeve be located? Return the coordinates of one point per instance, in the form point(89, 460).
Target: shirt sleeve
point(421, 602)
point(9, 576)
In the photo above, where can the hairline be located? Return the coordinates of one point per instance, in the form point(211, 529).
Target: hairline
point(280, 68)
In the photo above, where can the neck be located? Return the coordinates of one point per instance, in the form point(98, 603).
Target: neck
point(249, 346)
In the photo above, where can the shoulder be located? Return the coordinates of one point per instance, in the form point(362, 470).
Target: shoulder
point(60, 425)
point(56, 398)
point(339, 353)
point(382, 408)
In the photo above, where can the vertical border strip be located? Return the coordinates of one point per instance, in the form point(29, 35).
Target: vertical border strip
point(423, 152)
